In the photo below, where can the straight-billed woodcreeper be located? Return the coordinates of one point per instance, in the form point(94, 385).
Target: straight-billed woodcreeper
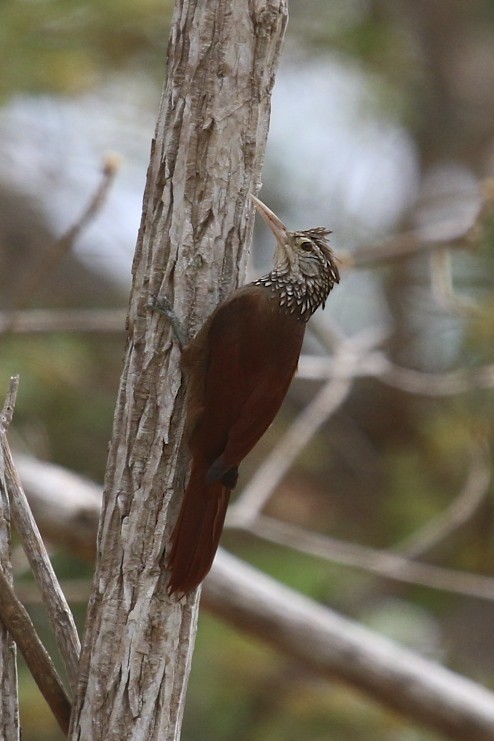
point(238, 369)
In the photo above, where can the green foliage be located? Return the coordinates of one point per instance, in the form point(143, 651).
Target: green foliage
point(67, 47)
point(241, 690)
point(67, 395)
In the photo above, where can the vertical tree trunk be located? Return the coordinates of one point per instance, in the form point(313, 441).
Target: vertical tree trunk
point(195, 229)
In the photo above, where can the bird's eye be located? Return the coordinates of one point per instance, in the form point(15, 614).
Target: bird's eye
point(306, 246)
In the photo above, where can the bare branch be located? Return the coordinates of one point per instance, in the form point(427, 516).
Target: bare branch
point(9, 404)
point(435, 384)
point(33, 279)
point(41, 321)
point(376, 365)
point(333, 646)
point(441, 273)
point(58, 610)
point(9, 708)
point(272, 470)
point(459, 511)
point(384, 563)
point(59, 613)
point(412, 243)
point(19, 625)
point(336, 647)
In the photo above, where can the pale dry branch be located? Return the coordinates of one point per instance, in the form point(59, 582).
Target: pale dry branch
point(336, 647)
point(34, 278)
point(376, 365)
point(9, 404)
point(412, 243)
point(59, 613)
point(13, 615)
point(325, 403)
point(443, 292)
point(435, 384)
point(43, 321)
point(333, 646)
point(19, 625)
point(271, 471)
point(382, 562)
point(9, 705)
point(460, 511)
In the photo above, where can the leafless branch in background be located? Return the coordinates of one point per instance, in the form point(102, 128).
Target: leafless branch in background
point(13, 615)
point(459, 512)
point(412, 243)
point(326, 642)
point(45, 321)
point(384, 563)
point(33, 279)
point(336, 647)
point(441, 272)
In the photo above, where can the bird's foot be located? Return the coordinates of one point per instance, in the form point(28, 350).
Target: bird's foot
point(219, 472)
point(163, 305)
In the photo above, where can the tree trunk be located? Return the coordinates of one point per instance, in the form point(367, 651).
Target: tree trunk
point(195, 229)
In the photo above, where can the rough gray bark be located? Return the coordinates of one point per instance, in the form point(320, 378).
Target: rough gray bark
point(195, 229)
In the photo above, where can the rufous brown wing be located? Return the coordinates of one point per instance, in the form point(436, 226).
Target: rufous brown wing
point(238, 369)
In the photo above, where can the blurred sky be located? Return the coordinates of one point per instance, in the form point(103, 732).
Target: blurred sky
point(336, 156)
point(333, 158)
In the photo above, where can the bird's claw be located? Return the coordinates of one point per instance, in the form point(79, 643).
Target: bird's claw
point(163, 305)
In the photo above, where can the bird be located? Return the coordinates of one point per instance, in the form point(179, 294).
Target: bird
point(238, 369)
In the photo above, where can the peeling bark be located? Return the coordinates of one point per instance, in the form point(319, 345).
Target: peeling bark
point(195, 231)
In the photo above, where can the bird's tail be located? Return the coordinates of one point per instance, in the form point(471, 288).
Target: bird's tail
point(197, 532)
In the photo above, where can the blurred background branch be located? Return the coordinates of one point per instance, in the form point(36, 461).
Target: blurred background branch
point(327, 643)
point(382, 129)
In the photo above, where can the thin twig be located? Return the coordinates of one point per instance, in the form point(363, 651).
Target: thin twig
point(34, 278)
point(42, 321)
point(376, 365)
point(9, 404)
point(436, 384)
point(9, 715)
point(59, 613)
point(272, 470)
point(459, 511)
point(19, 625)
point(332, 395)
point(384, 563)
point(441, 274)
point(412, 243)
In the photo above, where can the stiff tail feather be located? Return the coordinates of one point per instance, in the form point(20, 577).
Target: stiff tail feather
point(197, 532)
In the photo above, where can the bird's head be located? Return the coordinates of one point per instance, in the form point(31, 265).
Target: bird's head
point(303, 256)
